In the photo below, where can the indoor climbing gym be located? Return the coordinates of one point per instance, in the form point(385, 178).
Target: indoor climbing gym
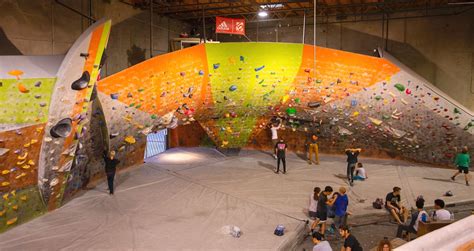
point(254, 125)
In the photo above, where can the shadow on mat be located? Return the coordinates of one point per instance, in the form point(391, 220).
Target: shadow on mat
point(266, 152)
point(267, 166)
point(444, 180)
point(302, 156)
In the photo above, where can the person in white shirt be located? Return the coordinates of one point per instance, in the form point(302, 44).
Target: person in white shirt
point(360, 172)
point(274, 129)
point(440, 213)
point(313, 203)
point(320, 244)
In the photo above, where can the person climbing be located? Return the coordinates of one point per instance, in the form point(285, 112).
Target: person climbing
point(275, 126)
point(313, 203)
point(360, 173)
point(313, 148)
point(462, 162)
point(352, 154)
point(110, 166)
point(280, 152)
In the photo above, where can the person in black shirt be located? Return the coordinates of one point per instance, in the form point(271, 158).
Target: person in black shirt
point(394, 206)
point(350, 241)
point(322, 209)
point(352, 155)
point(110, 165)
point(280, 152)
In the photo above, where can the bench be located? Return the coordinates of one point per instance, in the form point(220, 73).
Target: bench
point(424, 228)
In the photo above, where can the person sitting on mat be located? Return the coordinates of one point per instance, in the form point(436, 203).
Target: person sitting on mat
point(360, 173)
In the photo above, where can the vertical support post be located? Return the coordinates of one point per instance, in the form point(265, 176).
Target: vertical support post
point(204, 25)
point(314, 39)
point(304, 25)
point(151, 28)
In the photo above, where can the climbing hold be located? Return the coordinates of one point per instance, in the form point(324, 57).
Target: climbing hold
point(355, 114)
point(22, 88)
point(5, 172)
point(43, 104)
point(399, 87)
point(408, 91)
point(130, 140)
point(114, 96)
point(5, 183)
point(16, 73)
point(216, 66)
point(153, 116)
point(82, 82)
point(353, 102)
point(232, 88)
point(38, 84)
point(314, 104)
point(378, 97)
point(22, 157)
point(242, 59)
point(54, 182)
point(182, 74)
point(375, 121)
point(12, 221)
point(343, 131)
point(201, 72)
point(62, 129)
point(260, 68)
point(456, 110)
point(3, 151)
point(37, 96)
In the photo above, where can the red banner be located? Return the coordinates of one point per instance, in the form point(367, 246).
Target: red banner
point(230, 25)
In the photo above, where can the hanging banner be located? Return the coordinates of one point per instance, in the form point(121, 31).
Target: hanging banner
point(230, 25)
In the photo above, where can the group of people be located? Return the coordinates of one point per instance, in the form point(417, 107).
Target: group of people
point(324, 205)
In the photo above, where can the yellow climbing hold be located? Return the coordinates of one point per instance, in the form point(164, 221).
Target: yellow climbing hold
point(5, 171)
point(12, 221)
point(5, 196)
point(13, 193)
point(21, 162)
point(20, 176)
point(39, 129)
point(355, 114)
point(33, 141)
point(22, 157)
point(31, 162)
point(3, 212)
point(27, 145)
point(375, 121)
point(5, 183)
point(15, 207)
point(285, 98)
point(130, 140)
point(23, 197)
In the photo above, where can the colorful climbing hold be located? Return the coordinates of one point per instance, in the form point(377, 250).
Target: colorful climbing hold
point(22, 88)
point(400, 87)
point(130, 140)
point(232, 88)
point(260, 68)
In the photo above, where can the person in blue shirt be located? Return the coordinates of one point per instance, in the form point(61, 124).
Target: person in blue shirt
point(340, 208)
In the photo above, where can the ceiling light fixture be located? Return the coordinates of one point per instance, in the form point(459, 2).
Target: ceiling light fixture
point(262, 13)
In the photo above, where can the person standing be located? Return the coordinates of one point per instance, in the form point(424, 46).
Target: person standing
point(313, 148)
point(274, 129)
point(462, 162)
point(319, 243)
point(350, 241)
point(280, 152)
point(340, 212)
point(313, 203)
point(110, 167)
point(322, 210)
point(352, 154)
point(416, 217)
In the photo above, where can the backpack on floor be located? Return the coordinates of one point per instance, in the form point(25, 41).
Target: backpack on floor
point(378, 203)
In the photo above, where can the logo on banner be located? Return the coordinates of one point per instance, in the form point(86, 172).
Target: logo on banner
point(223, 26)
point(239, 26)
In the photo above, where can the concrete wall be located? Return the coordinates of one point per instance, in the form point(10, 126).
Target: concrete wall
point(440, 49)
point(43, 27)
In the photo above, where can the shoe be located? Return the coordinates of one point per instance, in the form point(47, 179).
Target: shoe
point(284, 172)
point(351, 183)
point(275, 172)
point(309, 162)
point(316, 163)
point(467, 184)
point(452, 178)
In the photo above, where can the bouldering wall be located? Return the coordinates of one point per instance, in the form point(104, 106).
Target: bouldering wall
point(43, 113)
point(233, 90)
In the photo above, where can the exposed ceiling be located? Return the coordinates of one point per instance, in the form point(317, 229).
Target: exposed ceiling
point(279, 9)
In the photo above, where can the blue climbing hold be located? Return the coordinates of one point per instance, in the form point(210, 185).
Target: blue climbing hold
point(232, 88)
point(114, 96)
point(260, 68)
point(242, 59)
point(216, 66)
